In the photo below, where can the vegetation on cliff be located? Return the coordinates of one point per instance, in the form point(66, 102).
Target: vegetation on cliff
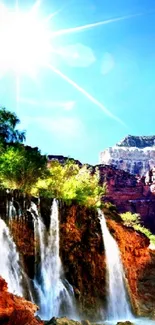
point(70, 182)
point(133, 220)
point(20, 167)
point(25, 169)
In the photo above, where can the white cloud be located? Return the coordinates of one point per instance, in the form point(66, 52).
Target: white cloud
point(62, 127)
point(77, 55)
point(108, 63)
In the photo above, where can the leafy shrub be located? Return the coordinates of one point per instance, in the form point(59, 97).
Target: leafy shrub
point(130, 219)
point(133, 220)
point(146, 232)
point(24, 168)
point(70, 182)
point(21, 166)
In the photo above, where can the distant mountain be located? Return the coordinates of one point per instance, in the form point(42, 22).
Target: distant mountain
point(134, 154)
point(137, 141)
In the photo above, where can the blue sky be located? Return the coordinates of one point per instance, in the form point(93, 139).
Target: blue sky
point(114, 63)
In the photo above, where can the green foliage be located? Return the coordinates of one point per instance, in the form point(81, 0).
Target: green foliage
point(146, 232)
point(8, 131)
point(24, 168)
point(130, 219)
point(20, 167)
point(70, 182)
point(133, 220)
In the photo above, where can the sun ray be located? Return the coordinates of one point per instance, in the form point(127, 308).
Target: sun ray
point(92, 25)
point(48, 18)
point(86, 94)
point(35, 7)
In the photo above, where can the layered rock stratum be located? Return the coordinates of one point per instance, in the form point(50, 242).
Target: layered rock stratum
point(134, 154)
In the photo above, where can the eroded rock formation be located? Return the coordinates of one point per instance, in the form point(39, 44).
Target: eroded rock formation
point(15, 310)
point(129, 193)
point(134, 154)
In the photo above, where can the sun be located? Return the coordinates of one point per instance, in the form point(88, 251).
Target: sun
point(25, 41)
point(26, 46)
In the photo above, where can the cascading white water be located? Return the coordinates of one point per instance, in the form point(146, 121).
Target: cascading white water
point(55, 293)
point(9, 261)
point(118, 307)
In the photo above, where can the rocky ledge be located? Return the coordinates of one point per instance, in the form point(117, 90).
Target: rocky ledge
point(15, 310)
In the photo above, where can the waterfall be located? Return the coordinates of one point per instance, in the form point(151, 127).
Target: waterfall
point(118, 307)
point(10, 269)
point(55, 294)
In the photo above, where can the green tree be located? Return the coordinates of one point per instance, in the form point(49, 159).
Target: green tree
point(70, 182)
point(20, 167)
point(8, 131)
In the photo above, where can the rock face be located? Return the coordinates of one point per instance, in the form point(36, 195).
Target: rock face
point(134, 154)
point(15, 310)
point(129, 193)
point(83, 257)
point(137, 141)
point(82, 250)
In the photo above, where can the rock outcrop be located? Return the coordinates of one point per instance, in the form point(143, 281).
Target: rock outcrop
point(134, 154)
point(129, 193)
point(15, 310)
point(137, 141)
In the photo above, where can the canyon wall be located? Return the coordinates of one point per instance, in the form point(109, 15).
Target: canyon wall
point(83, 257)
point(129, 193)
point(133, 154)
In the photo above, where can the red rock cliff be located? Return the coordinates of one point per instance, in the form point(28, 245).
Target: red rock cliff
point(83, 258)
point(15, 310)
point(83, 255)
point(129, 193)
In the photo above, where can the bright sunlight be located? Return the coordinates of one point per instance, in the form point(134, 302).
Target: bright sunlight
point(25, 40)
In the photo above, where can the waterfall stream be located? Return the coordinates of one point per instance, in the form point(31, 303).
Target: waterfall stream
point(10, 269)
point(118, 307)
point(55, 294)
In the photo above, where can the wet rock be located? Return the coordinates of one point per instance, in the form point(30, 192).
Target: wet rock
point(52, 321)
point(125, 323)
point(62, 321)
point(85, 322)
